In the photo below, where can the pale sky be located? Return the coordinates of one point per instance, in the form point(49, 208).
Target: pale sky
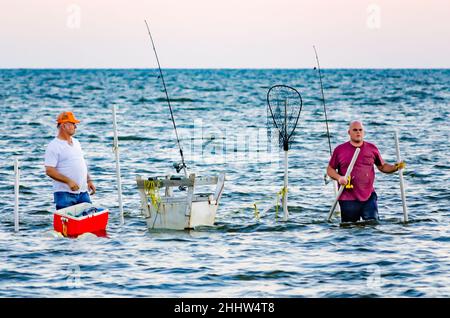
point(225, 33)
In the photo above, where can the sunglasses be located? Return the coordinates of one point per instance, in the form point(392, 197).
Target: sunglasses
point(356, 129)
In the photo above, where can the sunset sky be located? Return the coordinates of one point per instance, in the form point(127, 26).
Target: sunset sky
point(225, 34)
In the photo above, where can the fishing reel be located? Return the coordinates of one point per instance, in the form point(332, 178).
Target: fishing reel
point(349, 184)
point(326, 179)
point(179, 166)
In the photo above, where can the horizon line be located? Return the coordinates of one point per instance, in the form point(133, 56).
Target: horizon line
point(224, 68)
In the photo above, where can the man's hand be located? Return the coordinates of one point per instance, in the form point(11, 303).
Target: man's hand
point(400, 165)
point(73, 185)
point(342, 180)
point(91, 187)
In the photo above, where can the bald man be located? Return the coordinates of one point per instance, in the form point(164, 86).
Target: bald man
point(360, 199)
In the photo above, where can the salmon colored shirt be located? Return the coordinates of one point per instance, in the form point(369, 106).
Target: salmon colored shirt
point(363, 173)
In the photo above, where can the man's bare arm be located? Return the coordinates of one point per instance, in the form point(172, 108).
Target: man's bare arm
point(90, 184)
point(54, 174)
point(388, 168)
point(332, 173)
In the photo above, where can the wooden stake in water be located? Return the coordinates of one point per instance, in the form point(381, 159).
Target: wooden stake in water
point(116, 152)
point(16, 195)
point(341, 189)
point(402, 186)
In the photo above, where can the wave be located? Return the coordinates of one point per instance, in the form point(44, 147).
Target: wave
point(93, 88)
point(176, 100)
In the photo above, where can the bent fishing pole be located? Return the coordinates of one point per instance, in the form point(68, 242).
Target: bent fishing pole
point(335, 186)
point(323, 100)
point(178, 167)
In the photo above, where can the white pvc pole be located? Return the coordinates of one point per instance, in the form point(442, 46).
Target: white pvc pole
point(402, 186)
point(336, 187)
point(116, 152)
point(341, 189)
point(285, 191)
point(16, 195)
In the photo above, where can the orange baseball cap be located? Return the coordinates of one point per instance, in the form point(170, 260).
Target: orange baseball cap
point(67, 117)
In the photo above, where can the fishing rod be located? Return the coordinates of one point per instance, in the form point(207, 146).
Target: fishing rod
point(336, 185)
point(323, 100)
point(177, 166)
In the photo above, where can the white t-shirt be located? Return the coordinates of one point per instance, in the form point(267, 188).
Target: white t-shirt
point(69, 161)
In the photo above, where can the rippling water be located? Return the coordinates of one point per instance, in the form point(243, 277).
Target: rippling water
point(222, 118)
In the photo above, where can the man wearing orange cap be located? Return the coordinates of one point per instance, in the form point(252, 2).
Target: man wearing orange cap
point(65, 164)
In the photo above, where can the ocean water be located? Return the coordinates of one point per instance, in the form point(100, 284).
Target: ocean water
point(221, 116)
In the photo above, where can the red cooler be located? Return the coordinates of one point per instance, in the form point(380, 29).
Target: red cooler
point(71, 222)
